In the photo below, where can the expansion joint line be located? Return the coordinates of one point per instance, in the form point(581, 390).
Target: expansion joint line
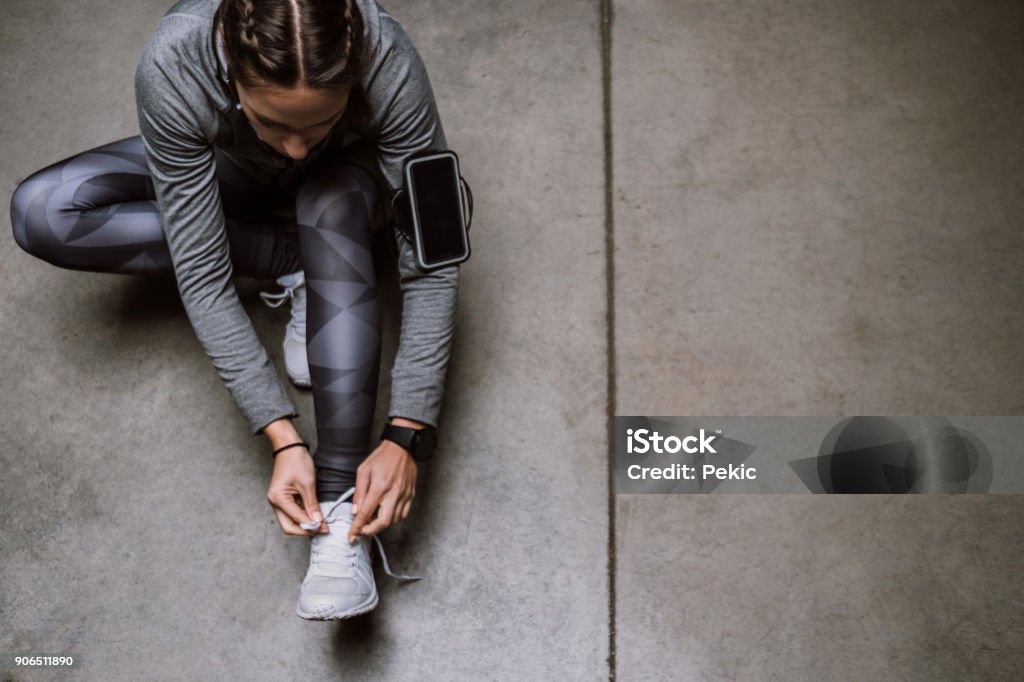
point(609, 244)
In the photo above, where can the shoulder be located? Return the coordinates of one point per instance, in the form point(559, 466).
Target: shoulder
point(181, 39)
point(389, 50)
point(395, 81)
point(371, 12)
point(177, 72)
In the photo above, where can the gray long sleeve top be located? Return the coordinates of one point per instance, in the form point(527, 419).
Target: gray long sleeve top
point(186, 106)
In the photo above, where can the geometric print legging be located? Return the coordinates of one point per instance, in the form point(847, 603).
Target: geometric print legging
point(97, 211)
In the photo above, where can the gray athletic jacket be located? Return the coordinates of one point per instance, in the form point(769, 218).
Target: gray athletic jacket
point(186, 106)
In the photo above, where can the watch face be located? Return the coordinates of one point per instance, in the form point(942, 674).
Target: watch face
point(425, 443)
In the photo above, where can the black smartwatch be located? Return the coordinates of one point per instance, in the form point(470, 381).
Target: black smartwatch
point(419, 442)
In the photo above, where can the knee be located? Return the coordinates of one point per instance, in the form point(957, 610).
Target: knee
point(342, 198)
point(26, 212)
point(33, 213)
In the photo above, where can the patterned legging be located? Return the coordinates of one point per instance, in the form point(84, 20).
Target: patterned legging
point(97, 211)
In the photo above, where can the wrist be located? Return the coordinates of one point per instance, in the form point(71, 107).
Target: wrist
point(402, 421)
point(418, 440)
point(392, 445)
point(281, 432)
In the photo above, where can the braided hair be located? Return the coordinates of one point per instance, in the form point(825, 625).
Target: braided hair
point(290, 43)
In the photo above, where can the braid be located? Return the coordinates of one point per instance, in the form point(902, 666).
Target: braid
point(247, 12)
point(349, 30)
point(318, 43)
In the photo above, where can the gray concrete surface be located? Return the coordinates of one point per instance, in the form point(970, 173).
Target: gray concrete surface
point(136, 531)
point(815, 213)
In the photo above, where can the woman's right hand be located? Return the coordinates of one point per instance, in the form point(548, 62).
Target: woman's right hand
point(295, 477)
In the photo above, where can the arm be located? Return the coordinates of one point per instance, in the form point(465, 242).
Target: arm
point(429, 300)
point(400, 92)
point(182, 166)
point(429, 303)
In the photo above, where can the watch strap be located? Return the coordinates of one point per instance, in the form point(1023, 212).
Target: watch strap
point(419, 442)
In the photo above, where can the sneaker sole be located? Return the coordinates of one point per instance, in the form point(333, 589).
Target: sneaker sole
point(302, 383)
point(367, 606)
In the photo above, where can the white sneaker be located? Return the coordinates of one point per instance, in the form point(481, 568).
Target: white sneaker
point(339, 582)
point(295, 361)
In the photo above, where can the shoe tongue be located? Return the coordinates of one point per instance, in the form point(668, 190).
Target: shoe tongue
point(299, 308)
point(337, 511)
point(292, 279)
point(335, 555)
point(335, 552)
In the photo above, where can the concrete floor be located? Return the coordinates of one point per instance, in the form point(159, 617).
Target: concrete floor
point(815, 211)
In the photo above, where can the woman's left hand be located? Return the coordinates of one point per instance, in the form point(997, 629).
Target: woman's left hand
point(385, 486)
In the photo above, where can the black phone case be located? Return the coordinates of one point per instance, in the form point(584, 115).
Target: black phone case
point(402, 208)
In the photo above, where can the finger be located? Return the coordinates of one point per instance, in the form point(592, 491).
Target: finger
point(396, 508)
point(375, 526)
point(366, 511)
point(287, 525)
point(405, 502)
point(310, 503)
point(385, 515)
point(289, 506)
point(362, 487)
point(314, 526)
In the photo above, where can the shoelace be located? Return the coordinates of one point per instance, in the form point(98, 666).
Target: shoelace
point(347, 553)
point(297, 323)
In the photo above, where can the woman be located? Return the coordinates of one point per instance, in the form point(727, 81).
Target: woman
point(272, 132)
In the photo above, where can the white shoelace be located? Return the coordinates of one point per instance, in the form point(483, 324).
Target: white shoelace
point(297, 294)
point(345, 554)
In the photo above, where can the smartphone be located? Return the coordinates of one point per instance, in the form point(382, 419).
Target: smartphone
point(437, 209)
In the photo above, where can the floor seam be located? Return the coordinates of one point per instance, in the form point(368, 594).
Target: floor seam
point(609, 243)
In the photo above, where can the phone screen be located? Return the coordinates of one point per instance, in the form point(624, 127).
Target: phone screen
point(438, 199)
